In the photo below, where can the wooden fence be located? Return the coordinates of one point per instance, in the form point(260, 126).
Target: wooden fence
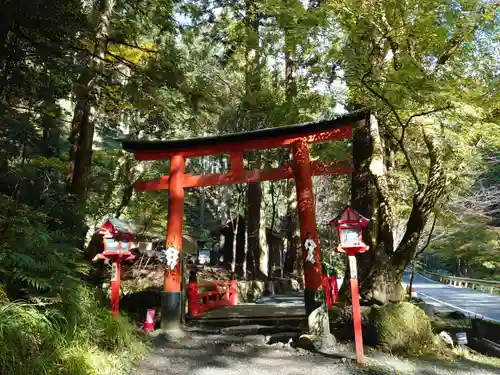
point(216, 294)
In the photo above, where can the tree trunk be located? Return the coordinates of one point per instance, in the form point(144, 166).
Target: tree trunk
point(245, 254)
point(235, 243)
point(263, 245)
point(254, 197)
point(381, 268)
point(294, 261)
point(235, 222)
point(255, 221)
point(82, 127)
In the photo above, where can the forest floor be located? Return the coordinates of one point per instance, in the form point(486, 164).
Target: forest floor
point(210, 354)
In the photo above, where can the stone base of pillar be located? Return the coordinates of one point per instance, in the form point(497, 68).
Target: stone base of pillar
point(319, 338)
point(310, 301)
point(171, 313)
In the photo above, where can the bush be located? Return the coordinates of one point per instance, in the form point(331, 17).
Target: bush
point(3, 295)
point(75, 337)
point(402, 327)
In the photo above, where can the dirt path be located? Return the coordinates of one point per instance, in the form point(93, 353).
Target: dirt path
point(204, 354)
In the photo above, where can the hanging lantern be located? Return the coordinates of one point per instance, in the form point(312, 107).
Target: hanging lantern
point(350, 225)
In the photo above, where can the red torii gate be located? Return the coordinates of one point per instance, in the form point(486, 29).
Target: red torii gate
point(295, 137)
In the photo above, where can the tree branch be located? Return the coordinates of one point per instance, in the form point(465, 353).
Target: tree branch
point(428, 238)
point(136, 46)
point(427, 113)
point(403, 127)
point(381, 97)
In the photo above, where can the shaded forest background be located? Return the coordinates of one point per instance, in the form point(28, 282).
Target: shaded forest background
point(77, 76)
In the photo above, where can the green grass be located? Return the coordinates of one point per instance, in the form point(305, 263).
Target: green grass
point(77, 336)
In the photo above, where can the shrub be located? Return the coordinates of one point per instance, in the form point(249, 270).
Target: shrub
point(74, 337)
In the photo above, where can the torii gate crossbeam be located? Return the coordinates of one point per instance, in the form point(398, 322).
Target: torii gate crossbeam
point(295, 137)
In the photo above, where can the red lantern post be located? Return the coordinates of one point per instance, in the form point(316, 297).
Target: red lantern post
point(116, 248)
point(350, 225)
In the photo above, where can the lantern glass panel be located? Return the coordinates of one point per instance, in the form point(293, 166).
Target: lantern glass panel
point(115, 246)
point(350, 236)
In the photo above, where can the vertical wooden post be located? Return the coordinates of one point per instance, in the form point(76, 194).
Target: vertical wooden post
point(328, 290)
point(192, 291)
point(335, 288)
point(193, 298)
point(233, 293)
point(356, 310)
point(115, 287)
point(171, 298)
point(307, 222)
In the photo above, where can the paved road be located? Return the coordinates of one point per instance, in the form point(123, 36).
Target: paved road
point(443, 297)
point(449, 298)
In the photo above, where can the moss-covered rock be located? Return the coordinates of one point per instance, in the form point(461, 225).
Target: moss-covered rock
point(341, 323)
point(402, 327)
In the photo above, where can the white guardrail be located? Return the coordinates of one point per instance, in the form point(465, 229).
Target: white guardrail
point(488, 286)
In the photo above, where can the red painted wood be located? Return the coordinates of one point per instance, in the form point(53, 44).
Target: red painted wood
point(233, 295)
point(236, 162)
point(193, 297)
point(344, 132)
point(115, 290)
point(172, 279)
point(285, 172)
point(328, 293)
point(307, 217)
point(330, 286)
point(356, 316)
point(335, 288)
point(224, 294)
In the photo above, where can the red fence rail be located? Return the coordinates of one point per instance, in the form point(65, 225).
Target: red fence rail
point(331, 289)
point(219, 294)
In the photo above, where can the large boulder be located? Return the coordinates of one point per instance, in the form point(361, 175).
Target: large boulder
point(341, 323)
point(429, 310)
point(402, 327)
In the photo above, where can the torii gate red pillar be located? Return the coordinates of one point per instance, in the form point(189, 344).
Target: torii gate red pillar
point(296, 137)
point(172, 296)
point(307, 222)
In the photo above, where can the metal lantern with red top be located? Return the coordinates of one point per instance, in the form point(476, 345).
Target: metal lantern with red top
point(350, 225)
point(117, 242)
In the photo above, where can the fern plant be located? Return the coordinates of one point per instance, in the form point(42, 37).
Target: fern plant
point(34, 260)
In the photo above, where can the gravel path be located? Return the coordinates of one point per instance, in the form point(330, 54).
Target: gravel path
point(209, 354)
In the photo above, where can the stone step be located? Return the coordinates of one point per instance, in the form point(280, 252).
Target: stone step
point(296, 321)
point(245, 330)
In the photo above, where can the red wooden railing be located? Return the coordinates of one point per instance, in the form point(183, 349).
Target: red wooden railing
point(222, 293)
point(331, 289)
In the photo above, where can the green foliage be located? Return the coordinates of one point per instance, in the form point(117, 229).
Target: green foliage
point(34, 259)
point(69, 340)
point(471, 250)
point(162, 76)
